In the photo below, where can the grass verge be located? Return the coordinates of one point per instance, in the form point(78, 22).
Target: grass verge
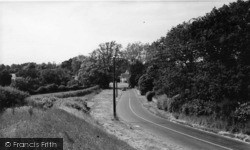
point(27, 122)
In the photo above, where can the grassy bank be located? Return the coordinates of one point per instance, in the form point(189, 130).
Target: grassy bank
point(76, 133)
point(59, 115)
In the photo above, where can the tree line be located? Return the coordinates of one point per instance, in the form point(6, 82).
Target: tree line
point(75, 73)
point(203, 66)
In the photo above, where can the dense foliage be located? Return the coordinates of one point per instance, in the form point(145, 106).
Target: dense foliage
point(5, 78)
point(98, 68)
point(150, 95)
point(206, 62)
point(136, 70)
point(10, 97)
point(145, 83)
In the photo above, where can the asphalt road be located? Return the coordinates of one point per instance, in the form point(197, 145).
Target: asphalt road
point(129, 109)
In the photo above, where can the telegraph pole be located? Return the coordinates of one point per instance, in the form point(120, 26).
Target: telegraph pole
point(116, 94)
point(114, 101)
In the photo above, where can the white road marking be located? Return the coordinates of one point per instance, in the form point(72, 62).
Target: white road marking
point(137, 96)
point(175, 130)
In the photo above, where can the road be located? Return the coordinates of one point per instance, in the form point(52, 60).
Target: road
point(129, 109)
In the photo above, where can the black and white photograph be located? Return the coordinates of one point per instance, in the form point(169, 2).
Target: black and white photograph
point(124, 74)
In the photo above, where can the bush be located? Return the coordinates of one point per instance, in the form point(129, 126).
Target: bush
point(73, 83)
point(149, 95)
point(21, 84)
point(242, 113)
point(199, 107)
point(169, 104)
point(10, 97)
point(25, 84)
point(162, 102)
point(62, 88)
point(47, 89)
point(145, 84)
point(174, 104)
point(41, 90)
point(74, 87)
point(43, 102)
point(5, 78)
point(52, 88)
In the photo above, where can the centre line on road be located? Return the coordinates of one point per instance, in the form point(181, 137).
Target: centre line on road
point(175, 130)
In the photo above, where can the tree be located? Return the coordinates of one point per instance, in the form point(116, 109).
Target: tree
point(134, 51)
point(97, 69)
point(205, 61)
point(5, 78)
point(136, 69)
point(145, 84)
point(28, 70)
point(76, 63)
point(92, 74)
point(22, 84)
point(67, 64)
point(58, 76)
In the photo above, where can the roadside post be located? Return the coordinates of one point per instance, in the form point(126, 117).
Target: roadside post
point(114, 100)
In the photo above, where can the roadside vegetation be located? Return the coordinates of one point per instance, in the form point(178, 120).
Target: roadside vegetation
point(52, 115)
point(200, 70)
point(56, 123)
point(11, 97)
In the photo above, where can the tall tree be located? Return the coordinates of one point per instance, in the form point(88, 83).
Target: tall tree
point(136, 51)
point(5, 78)
point(97, 69)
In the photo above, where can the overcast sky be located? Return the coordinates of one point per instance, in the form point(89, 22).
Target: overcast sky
point(55, 31)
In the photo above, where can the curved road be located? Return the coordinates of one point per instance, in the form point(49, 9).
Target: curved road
point(129, 109)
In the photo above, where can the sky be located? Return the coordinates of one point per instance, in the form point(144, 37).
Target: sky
point(55, 31)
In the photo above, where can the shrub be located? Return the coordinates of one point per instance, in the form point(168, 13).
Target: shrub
point(174, 104)
point(21, 84)
point(199, 107)
point(43, 102)
point(62, 88)
point(25, 84)
point(162, 102)
point(145, 84)
point(52, 88)
point(149, 95)
point(5, 78)
point(242, 113)
point(74, 87)
point(10, 97)
point(41, 90)
point(73, 83)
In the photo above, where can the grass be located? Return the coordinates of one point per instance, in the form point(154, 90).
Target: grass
point(77, 132)
point(27, 122)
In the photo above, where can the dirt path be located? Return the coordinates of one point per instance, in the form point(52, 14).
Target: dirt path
point(138, 138)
